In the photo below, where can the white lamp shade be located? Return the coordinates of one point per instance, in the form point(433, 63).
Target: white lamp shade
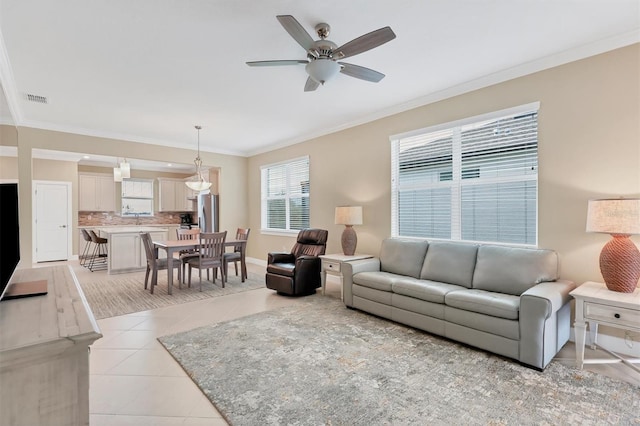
point(322, 70)
point(614, 216)
point(198, 185)
point(348, 215)
point(125, 170)
point(117, 174)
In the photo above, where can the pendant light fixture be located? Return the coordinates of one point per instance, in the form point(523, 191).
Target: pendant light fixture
point(125, 169)
point(117, 173)
point(200, 184)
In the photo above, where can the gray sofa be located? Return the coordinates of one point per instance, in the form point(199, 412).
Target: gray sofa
point(501, 299)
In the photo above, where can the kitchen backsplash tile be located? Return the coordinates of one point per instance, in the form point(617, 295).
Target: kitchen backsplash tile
point(111, 218)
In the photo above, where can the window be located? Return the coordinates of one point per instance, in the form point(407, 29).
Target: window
point(137, 197)
point(285, 195)
point(473, 180)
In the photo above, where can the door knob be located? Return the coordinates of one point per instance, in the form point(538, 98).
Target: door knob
point(63, 226)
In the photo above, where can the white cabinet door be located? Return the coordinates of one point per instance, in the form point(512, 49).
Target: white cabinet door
point(96, 193)
point(107, 194)
point(87, 192)
point(167, 191)
point(124, 253)
point(137, 188)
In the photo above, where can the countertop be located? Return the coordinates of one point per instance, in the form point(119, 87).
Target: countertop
point(131, 229)
point(103, 227)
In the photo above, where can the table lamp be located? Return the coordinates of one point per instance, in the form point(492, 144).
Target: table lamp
point(349, 216)
point(620, 258)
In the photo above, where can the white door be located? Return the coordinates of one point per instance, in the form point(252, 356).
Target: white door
point(52, 221)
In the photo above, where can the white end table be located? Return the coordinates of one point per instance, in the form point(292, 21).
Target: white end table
point(332, 264)
point(595, 304)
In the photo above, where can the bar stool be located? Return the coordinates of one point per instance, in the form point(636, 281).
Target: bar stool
point(87, 248)
point(99, 257)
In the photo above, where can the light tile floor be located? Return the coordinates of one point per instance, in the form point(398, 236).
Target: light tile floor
point(135, 381)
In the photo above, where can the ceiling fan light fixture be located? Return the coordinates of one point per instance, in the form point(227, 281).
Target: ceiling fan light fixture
point(200, 184)
point(322, 70)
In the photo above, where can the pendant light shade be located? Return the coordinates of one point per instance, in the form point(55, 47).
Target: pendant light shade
point(117, 174)
point(200, 184)
point(125, 169)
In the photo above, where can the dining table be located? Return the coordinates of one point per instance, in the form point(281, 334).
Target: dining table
point(175, 246)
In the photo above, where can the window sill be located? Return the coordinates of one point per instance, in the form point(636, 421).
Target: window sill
point(280, 232)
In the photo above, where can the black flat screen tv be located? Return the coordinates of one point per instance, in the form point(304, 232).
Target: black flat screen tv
point(9, 234)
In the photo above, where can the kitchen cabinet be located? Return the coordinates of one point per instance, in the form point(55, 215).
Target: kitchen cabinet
point(174, 196)
point(125, 248)
point(97, 192)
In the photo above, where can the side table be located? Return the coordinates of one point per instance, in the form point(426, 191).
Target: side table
point(332, 264)
point(595, 304)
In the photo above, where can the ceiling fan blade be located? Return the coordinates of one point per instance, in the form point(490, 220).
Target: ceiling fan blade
point(311, 85)
point(277, 63)
point(361, 72)
point(296, 31)
point(364, 43)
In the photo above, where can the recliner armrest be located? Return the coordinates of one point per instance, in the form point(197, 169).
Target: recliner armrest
point(280, 258)
point(306, 260)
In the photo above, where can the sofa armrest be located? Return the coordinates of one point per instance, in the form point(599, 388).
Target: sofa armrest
point(349, 269)
point(541, 328)
point(280, 258)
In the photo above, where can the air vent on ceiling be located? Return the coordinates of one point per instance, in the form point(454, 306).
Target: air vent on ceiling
point(37, 98)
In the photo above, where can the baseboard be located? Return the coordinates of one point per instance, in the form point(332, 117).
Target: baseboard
point(256, 261)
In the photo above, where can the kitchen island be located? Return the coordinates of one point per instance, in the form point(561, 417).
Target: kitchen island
point(125, 248)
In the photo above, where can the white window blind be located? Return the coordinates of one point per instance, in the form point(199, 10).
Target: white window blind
point(475, 181)
point(285, 195)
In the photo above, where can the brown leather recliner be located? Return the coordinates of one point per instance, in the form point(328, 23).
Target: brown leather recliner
point(298, 273)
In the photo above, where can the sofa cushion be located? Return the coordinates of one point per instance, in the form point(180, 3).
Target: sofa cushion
point(403, 257)
point(513, 270)
point(430, 291)
point(376, 280)
point(451, 263)
point(485, 302)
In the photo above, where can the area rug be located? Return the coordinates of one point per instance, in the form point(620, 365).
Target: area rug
point(319, 363)
point(118, 295)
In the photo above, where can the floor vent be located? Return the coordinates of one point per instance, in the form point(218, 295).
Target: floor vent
point(37, 98)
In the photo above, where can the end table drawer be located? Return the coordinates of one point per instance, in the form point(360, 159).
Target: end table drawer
point(329, 265)
point(612, 314)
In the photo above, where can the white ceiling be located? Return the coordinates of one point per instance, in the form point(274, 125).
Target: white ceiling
point(149, 70)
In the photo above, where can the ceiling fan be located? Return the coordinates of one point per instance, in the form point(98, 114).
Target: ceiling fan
point(323, 55)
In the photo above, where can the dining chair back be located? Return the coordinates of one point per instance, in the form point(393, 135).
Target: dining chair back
point(184, 255)
point(242, 234)
point(154, 264)
point(210, 256)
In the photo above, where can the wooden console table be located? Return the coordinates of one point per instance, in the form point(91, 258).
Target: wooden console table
point(44, 356)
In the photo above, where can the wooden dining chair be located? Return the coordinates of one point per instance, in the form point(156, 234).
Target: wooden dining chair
point(154, 264)
point(210, 255)
point(184, 255)
point(242, 234)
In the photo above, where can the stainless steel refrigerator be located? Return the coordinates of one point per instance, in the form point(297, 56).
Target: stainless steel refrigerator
point(208, 213)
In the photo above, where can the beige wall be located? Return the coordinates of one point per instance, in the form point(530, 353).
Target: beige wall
point(232, 173)
point(589, 147)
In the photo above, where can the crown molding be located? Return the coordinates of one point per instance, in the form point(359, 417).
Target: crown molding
point(541, 64)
